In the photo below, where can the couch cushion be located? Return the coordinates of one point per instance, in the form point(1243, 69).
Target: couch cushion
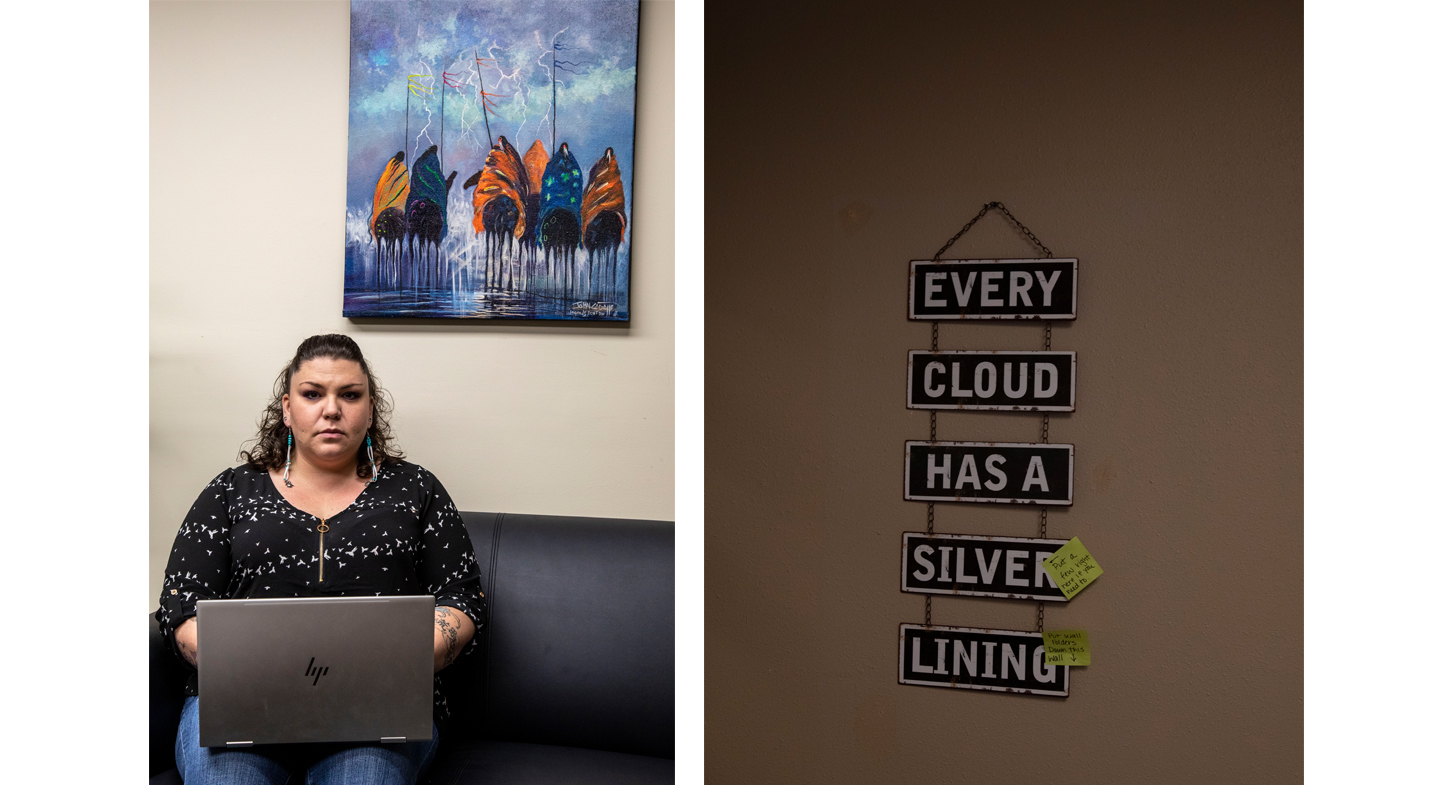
point(579, 648)
point(488, 762)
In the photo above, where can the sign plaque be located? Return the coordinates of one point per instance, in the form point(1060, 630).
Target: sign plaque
point(1003, 472)
point(1001, 381)
point(974, 566)
point(993, 289)
point(970, 658)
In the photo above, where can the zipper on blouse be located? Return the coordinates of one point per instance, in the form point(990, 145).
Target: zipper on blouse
point(322, 528)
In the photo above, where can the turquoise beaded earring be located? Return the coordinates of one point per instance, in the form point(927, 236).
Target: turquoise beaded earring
point(374, 470)
point(288, 439)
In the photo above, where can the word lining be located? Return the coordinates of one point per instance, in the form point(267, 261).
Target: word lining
point(979, 659)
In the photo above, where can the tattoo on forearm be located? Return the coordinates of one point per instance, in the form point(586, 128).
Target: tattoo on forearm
point(188, 643)
point(450, 632)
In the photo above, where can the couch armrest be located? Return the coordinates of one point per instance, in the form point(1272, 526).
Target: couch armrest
point(167, 696)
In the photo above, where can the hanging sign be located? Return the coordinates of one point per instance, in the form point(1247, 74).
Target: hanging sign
point(989, 472)
point(1003, 381)
point(969, 658)
point(976, 566)
point(993, 289)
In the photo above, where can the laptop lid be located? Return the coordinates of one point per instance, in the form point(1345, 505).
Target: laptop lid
point(311, 669)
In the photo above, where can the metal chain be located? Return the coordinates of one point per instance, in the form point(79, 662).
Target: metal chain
point(985, 209)
point(930, 507)
point(934, 347)
point(1024, 229)
point(1045, 439)
point(964, 229)
point(1044, 511)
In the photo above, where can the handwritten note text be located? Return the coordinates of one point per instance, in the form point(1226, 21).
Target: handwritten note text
point(1067, 647)
point(1072, 568)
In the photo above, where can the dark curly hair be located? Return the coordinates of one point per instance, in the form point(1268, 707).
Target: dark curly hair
point(267, 450)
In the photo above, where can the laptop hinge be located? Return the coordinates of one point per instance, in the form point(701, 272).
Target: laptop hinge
point(391, 739)
point(239, 743)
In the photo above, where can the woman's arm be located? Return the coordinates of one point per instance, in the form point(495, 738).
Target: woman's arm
point(447, 569)
point(453, 629)
point(187, 641)
point(199, 566)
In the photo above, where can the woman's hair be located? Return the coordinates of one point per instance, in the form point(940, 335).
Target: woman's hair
point(268, 446)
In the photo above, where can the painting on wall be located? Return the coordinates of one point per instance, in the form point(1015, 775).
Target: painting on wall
point(490, 159)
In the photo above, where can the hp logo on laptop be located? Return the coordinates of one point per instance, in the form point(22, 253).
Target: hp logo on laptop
point(316, 672)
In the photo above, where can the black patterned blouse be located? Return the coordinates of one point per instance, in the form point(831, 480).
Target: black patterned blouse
point(243, 540)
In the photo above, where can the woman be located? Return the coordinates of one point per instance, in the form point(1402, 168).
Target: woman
point(288, 523)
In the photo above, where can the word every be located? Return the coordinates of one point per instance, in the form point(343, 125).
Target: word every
point(978, 566)
point(1010, 381)
point(1013, 473)
point(976, 659)
point(993, 289)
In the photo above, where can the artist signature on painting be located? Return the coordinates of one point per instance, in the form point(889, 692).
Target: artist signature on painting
point(592, 309)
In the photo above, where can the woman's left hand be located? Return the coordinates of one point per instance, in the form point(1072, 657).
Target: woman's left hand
point(453, 629)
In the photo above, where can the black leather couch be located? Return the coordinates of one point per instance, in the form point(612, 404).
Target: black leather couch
point(573, 677)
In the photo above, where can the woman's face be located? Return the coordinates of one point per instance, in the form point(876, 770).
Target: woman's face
point(328, 408)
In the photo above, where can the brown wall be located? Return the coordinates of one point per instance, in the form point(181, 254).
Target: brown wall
point(1159, 143)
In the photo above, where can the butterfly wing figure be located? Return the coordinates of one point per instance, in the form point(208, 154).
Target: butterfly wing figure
point(535, 161)
point(560, 193)
point(602, 209)
point(501, 190)
point(425, 206)
point(602, 222)
point(387, 214)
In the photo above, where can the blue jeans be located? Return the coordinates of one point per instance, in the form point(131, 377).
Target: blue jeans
point(312, 764)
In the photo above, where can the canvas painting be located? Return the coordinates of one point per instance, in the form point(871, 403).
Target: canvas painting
point(490, 159)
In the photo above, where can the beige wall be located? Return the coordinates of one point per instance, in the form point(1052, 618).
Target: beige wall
point(247, 166)
point(1159, 143)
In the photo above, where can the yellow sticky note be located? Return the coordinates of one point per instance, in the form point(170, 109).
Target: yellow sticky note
point(1067, 647)
point(1072, 568)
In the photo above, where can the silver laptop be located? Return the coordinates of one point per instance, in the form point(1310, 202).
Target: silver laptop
point(315, 669)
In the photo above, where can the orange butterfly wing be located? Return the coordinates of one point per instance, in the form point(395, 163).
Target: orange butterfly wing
point(391, 189)
point(503, 175)
point(604, 193)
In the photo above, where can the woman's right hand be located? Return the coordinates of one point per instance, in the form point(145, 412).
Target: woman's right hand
point(187, 640)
